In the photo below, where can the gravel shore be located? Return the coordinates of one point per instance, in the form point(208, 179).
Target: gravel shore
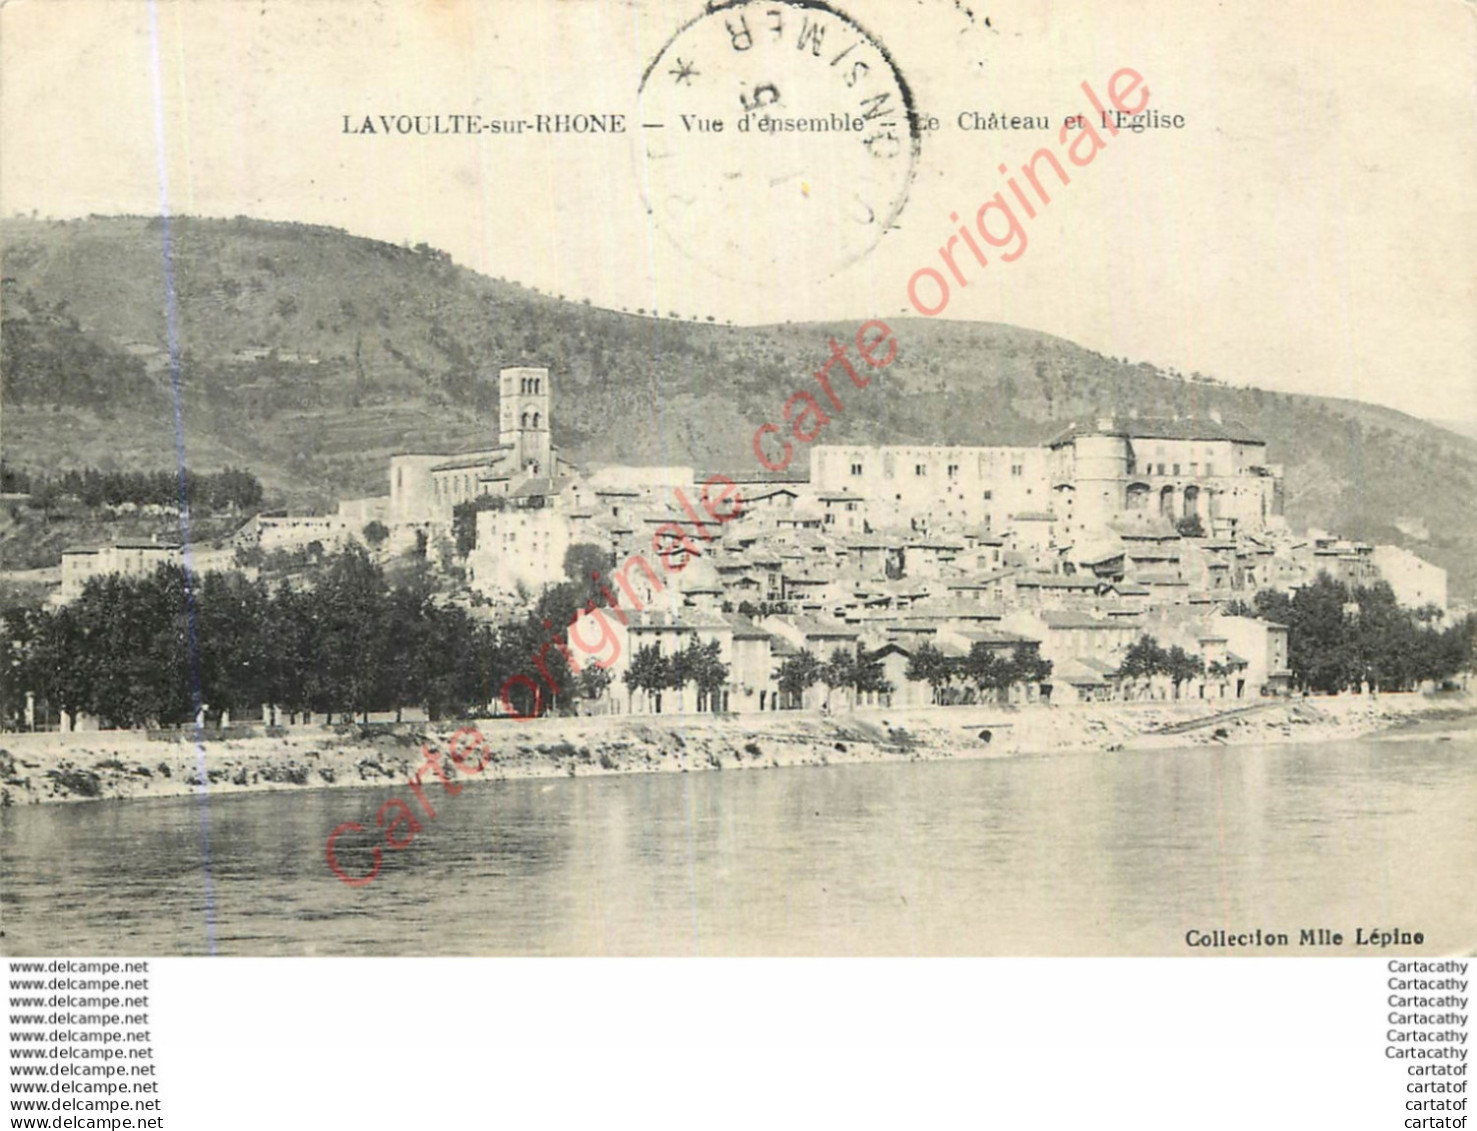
point(105, 765)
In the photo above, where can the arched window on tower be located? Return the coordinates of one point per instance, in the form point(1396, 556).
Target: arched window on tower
point(535, 420)
point(525, 420)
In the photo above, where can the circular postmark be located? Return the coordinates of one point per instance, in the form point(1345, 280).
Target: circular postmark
point(777, 140)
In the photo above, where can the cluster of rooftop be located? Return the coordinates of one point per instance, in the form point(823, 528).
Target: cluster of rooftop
point(1112, 529)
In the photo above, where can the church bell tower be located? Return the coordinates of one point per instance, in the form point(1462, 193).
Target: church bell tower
point(525, 397)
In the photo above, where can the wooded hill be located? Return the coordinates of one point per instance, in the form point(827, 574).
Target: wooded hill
point(311, 355)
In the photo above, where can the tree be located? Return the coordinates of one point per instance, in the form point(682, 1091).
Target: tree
point(1147, 658)
point(1144, 660)
point(680, 671)
point(1452, 651)
point(931, 666)
point(702, 666)
point(351, 602)
point(249, 557)
point(234, 650)
point(839, 671)
point(54, 659)
point(594, 681)
point(454, 652)
point(557, 608)
point(798, 674)
point(375, 533)
point(294, 678)
point(464, 520)
point(869, 677)
point(1319, 641)
point(1182, 667)
point(1340, 638)
point(1027, 665)
point(584, 559)
point(648, 671)
point(410, 672)
point(710, 674)
point(986, 668)
point(19, 629)
point(132, 637)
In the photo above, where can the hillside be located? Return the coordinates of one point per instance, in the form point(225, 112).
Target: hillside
point(311, 355)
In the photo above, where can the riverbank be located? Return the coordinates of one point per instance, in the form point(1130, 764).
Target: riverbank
point(103, 765)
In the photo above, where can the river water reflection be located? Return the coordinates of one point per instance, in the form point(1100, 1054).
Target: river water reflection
point(1057, 854)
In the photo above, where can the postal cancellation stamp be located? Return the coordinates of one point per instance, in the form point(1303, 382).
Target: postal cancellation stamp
point(776, 140)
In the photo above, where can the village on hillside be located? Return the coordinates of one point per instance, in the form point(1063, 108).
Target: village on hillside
point(1121, 559)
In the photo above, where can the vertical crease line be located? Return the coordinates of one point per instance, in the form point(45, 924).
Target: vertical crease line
point(171, 317)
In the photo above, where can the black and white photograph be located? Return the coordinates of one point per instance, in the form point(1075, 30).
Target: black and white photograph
point(769, 479)
point(362, 601)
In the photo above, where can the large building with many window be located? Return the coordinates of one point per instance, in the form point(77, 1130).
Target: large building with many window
point(912, 485)
point(1085, 479)
point(1168, 469)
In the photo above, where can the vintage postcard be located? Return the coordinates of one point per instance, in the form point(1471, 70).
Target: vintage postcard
point(756, 478)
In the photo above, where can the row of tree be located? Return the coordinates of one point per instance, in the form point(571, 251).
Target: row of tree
point(1341, 638)
point(338, 640)
point(155, 650)
point(206, 491)
point(800, 672)
point(986, 670)
point(1146, 658)
point(698, 664)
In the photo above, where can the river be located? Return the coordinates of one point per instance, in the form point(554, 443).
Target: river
point(1083, 854)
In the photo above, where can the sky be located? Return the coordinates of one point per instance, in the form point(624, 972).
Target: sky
point(1309, 229)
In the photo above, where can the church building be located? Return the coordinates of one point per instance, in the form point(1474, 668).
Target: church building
point(426, 488)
